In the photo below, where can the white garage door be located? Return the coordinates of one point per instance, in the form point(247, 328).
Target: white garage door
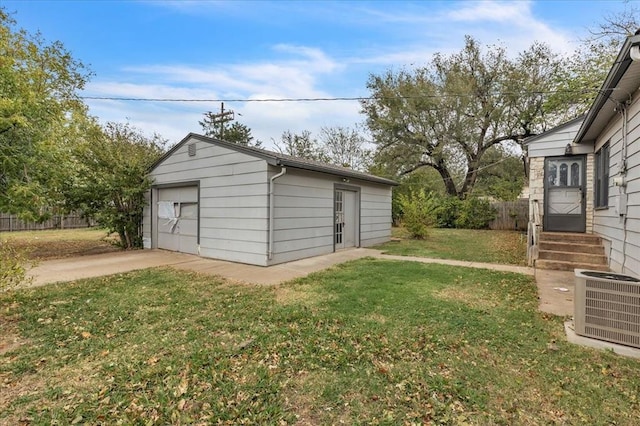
point(177, 215)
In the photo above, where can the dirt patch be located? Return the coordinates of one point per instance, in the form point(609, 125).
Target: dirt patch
point(10, 338)
point(57, 244)
point(375, 317)
point(472, 299)
point(298, 294)
point(302, 402)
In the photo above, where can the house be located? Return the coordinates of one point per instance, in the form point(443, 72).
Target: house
point(231, 202)
point(585, 174)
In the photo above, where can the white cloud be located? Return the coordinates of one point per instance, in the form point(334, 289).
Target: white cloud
point(490, 11)
point(406, 36)
point(294, 76)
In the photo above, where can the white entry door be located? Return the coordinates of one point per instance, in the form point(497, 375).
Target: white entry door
point(346, 220)
point(564, 187)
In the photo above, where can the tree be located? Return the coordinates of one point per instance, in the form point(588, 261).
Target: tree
point(501, 174)
point(345, 147)
point(39, 84)
point(300, 145)
point(587, 68)
point(214, 126)
point(448, 115)
point(115, 161)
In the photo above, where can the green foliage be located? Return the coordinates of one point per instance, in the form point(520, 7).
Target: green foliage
point(217, 127)
point(424, 179)
point(501, 174)
point(301, 145)
point(419, 211)
point(115, 161)
point(39, 85)
point(446, 116)
point(12, 266)
point(475, 213)
point(447, 214)
point(345, 147)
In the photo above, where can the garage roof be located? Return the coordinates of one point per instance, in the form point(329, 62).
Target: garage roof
point(278, 159)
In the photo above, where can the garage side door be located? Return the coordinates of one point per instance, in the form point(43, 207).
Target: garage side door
point(177, 216)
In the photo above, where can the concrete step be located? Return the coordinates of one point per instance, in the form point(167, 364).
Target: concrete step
point(559, 265)
point(572, 256)
point(570, 237)
point(572, 247)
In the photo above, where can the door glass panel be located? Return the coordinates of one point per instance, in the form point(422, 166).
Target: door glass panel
point(563, 174)
point(552, 174)
point(575, 174)
point(339, 206)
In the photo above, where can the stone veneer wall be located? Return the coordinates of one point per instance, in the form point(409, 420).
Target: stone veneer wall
point(536, 185)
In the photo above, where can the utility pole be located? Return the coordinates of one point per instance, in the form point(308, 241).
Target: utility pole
point(220, 118)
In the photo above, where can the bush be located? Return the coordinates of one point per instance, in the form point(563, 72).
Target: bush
point(419, 212)
point(475, 213)
point(448, 211)
point(12, 267)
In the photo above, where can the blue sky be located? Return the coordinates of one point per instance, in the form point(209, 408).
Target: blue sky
point(277, 49)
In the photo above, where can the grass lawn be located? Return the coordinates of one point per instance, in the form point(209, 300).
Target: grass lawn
point(506, 247)
point(59, 243)
point(367, 342)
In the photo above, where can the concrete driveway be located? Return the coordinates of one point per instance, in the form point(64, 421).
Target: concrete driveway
point(70, 269)
point(555, 288)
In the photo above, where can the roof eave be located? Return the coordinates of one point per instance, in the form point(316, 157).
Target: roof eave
point(619, 68)
point(275, 160)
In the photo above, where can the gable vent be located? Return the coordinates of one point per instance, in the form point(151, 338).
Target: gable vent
point(192, 149)
point(607, 307)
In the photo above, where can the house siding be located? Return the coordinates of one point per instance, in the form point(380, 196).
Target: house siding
point(553, 144)
point(375, 219)
point(233, 199)
point(620, 227)
point(304, 213)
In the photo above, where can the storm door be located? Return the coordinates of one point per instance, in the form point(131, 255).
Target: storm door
point(564, 194)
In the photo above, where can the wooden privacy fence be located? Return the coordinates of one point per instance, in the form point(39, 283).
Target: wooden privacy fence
point(10, 222)
point(512, 215)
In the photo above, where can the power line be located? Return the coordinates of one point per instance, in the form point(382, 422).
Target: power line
point(325, 99)
point(115, 98)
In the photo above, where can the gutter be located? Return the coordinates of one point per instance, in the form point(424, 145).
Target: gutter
point(616, 73)
point(272, 209)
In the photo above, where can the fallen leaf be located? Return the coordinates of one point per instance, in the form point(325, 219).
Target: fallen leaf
point(85, 334)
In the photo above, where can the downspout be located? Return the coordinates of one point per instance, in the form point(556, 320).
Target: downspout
point(622, 203)
point(272, 209)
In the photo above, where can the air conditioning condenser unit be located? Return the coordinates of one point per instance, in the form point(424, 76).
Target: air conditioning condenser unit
point(607, 307)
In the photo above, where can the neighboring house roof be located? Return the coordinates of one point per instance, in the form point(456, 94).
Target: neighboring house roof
point(556, 129)
point(621, 82)
point(277, 159)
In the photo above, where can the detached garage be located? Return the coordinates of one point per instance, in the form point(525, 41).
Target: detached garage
point(242, 204)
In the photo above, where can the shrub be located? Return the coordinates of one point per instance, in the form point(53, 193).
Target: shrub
point(448, 211)
point(419, 212)
point(12, 267)
point(475, 213)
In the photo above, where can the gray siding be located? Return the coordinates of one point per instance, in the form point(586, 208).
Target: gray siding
point(375, 222)
point(304, 214)
point(553, 143)
point(233, 199)
point(234, 206)
point(303, 219)
point(621, 231)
